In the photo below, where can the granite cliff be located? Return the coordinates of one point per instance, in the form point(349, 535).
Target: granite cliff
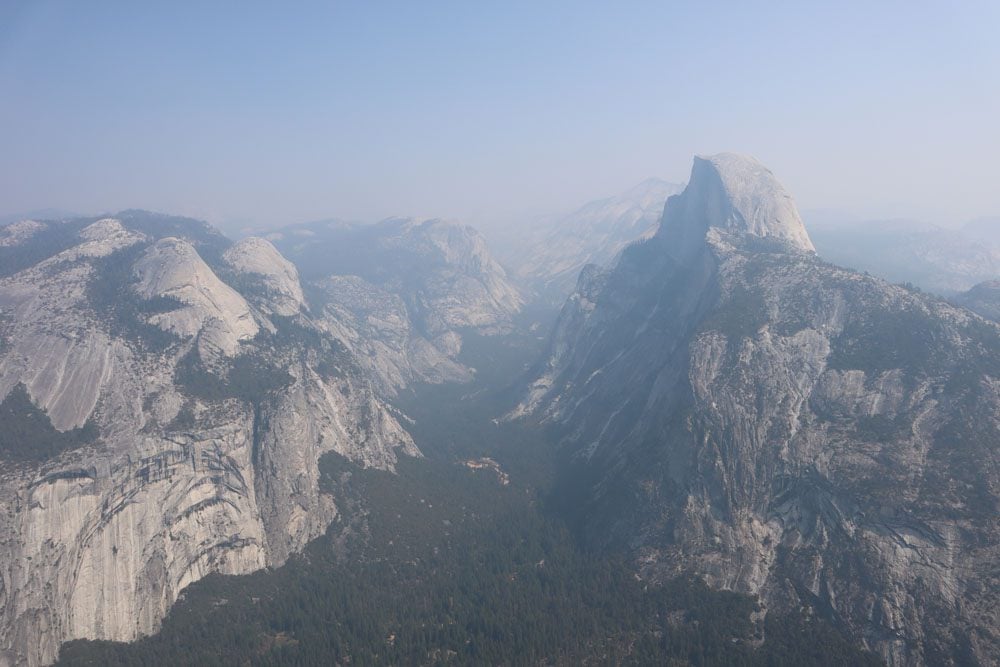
point(732, 407)
point(166, 399)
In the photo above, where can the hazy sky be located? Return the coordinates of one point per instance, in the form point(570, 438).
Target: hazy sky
point(280, 112)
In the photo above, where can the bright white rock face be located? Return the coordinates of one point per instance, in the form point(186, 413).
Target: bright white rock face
point(258, 257)
point(99, 540)
point(16, 232)
point(101, 239)
point(52, 344)
point(735, 194)
point(172, 268)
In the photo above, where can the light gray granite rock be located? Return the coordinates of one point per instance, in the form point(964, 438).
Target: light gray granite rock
point(734, 408)
point(99, 541)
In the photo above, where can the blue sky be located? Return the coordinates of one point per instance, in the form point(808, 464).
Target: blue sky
point(490, 112)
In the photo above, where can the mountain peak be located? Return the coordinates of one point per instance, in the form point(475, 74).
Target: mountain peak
point(654, 190)
point(736, 194)
point(257, 256)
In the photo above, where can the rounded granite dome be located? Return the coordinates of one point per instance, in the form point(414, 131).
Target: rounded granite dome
point(736, 194)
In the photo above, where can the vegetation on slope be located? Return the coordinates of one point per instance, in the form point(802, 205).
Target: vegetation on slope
point(442, 563)
point(27, 434)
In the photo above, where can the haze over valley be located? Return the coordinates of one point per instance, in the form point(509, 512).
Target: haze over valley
point(547, 335)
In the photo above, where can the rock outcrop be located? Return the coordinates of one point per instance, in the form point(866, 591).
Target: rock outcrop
point(733, 194)
point(732, 407)
point(411, 288)
point(279, 278)
point(172, 268)
point(197, 415)
point(376, 325)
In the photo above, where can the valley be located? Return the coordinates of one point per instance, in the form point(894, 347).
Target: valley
point(511, 334)
point(443, 564)
point(719, 449)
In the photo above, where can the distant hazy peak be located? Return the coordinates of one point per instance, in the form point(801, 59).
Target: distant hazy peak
point(983, 298)
point(430, 226)
point(736, 194)
point(16, 232)
point(651, 190)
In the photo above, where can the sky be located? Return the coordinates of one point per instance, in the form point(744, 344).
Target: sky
point(262, 114)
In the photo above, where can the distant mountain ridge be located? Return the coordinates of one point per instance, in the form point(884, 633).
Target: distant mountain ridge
point(593, 234)
point(941, 260)
point(983, 298)
point(39, 214)
point(410, 286)
point(986, 229)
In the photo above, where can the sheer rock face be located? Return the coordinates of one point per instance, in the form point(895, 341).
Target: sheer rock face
point(404, 291)
point(733, 407)
point(139, 337)
point(593, 234)
point(735, 194)
point(51, 344)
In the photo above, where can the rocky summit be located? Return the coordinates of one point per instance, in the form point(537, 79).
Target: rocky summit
point(797, 460)
point(732, 407)
point(165, 401)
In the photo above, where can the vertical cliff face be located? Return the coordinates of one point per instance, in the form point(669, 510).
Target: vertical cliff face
point(732, 194)
point(734, 408)
point(174, 423)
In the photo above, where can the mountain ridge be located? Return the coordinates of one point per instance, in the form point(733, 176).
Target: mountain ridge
point(551, 258)
point(732, 407)
point(192, 418)
point(411, 288)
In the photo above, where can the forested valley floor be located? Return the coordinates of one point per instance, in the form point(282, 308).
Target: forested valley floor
point(452, 563)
